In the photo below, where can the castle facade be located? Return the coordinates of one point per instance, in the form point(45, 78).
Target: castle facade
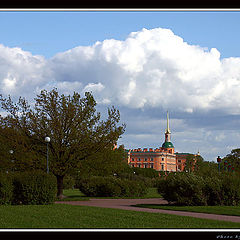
point(163, 158)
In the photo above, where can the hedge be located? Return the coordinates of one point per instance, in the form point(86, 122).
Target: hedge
point(191, 189)
point(35, 187)
point(111, 187)
point(6, 189)
point(183, 189)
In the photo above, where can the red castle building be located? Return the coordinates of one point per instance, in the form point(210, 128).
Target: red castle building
point(161, 159)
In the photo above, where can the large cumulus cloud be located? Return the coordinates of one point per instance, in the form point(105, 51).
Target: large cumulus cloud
point(150, 68)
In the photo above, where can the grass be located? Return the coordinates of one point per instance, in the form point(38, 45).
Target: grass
point(76, 195)
point(222, 210)
point(65, 216)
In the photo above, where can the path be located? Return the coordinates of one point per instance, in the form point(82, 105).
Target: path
point(126, 205)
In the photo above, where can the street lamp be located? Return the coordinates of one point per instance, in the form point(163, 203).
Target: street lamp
point(47, 140)
point(11, 152)
point(219, 161)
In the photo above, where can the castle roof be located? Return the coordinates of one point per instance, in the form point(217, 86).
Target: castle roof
point(167, 145)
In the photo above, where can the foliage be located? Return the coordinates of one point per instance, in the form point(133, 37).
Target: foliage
point(213, 190)
point(146, 172)
point(182, 189)
point(230, 189)
point(111, 187)
point(35, 187)
point(192, 189)
point(107, 163)
point(68, 182)
point(207, 169)
point(193, 163)
point(72, 123)
point(6, 189)
point(232, 158)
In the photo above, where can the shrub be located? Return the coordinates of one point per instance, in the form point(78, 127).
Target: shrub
point(6, 189)
point(192, 189)
point(230, 190)
point(213, 190)
point(111, 187)
point(35, 187)
point(99, 186)
point(183, 189)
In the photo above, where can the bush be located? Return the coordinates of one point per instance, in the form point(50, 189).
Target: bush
point(230, 190)
point(6, 189)
point(111, 187)
point(213, 190)
point(183, 189)
point(35, 187)
point(191, 189)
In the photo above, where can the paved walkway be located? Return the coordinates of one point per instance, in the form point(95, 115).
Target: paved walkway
point(126, 205)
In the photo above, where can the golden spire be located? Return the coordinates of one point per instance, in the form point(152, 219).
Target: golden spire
point(167, 129)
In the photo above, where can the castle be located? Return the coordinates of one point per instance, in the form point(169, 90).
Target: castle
point(161, 159)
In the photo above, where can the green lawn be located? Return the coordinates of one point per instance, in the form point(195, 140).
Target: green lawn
point(224, 210)
point(83, 217)
point(76, 195)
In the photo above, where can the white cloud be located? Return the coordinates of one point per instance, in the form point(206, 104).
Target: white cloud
point(150, 68)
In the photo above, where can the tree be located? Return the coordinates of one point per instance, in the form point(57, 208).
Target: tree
point(232, 158)
point(104, 164)
point(190, 162)
point(207, 169)
point(72, 123)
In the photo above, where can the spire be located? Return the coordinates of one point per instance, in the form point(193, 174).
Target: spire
point(167, 129)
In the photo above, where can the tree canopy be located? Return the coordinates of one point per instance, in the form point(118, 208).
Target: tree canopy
point(75, 129)
point(232, 160)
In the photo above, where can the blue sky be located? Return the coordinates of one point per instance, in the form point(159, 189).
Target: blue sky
point(47, 33)
point(145, 63)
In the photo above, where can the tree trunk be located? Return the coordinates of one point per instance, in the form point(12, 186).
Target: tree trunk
point(60, 187)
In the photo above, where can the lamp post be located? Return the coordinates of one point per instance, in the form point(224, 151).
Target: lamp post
point(11, 152)
point(219, 161)
point(47, 140)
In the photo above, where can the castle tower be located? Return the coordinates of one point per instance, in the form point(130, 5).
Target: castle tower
point(167, 143)
point(167, 131)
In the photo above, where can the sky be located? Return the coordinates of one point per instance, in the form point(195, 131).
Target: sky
point(145, 63)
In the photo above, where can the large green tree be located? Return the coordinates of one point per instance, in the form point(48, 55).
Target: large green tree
point(75, 128)
point(193, 163)
point(107, 163)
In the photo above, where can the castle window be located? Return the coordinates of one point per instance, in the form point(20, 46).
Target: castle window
point(151, 165)
point(162, 159)
point(145, 159)
point(139, 159)
point(132, 159)
point(151, 159)
point(162, 167)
